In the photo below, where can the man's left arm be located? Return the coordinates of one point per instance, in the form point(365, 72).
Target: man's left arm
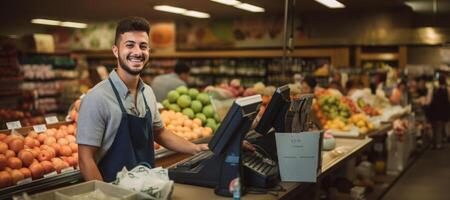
point(166, 138)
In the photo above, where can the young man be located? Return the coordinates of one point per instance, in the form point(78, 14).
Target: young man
point(163, 84)
point(118, 119)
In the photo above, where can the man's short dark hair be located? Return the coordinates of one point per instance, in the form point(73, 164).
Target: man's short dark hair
point(131, 24)
point(181, 67)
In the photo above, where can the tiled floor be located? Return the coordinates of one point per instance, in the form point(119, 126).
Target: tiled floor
point(427, 179)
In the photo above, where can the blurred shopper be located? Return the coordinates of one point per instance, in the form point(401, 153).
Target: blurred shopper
point(162, 84)
point(350, 87)
point(309, 84)
point(337, 86)
point(400, 94)
point(439, 110)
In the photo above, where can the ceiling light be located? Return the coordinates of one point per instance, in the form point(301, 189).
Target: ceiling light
point(73, 24)
point(228, 2)
point(45, 22)
point(249, 7)
point(182, 11)
point(170, 9)
point(197, 14)
point(59, 23)
point(419, 6)
point(331, 3)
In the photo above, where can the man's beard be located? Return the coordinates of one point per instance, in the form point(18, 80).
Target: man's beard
point(128, 68)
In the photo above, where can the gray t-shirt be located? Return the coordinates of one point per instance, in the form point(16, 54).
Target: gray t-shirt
point(100, 115)
point(162, 84)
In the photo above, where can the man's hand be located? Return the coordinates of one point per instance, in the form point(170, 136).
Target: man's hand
point(200, 147)
point(248, 146)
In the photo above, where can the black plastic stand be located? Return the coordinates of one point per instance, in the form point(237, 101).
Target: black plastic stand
point(231, 166)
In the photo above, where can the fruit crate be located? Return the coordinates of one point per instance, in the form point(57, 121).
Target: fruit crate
point(87, 190)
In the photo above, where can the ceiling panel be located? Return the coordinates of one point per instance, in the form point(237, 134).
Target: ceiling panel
point(18, 13)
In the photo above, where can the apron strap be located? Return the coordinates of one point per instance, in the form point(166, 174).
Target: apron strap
point(117, 96)
point(145, 101)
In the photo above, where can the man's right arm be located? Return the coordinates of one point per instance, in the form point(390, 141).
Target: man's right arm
point(88, 167)
point(91, 128)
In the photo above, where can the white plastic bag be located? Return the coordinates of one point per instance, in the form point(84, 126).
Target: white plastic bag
point(154, 183)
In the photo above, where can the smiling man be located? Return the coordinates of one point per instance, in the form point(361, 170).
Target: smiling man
point(118, 119)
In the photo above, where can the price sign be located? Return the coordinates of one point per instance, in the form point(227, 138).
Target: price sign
point(68, 169)
point(24, 181)
point(13, 125)
point(40, 128)
point(51, 174)
point(51, 120)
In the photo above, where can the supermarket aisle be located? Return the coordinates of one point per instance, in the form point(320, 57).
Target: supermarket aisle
point(428, 178)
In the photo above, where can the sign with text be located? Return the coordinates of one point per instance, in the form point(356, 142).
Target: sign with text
point(299, 156)
point(40, 128)
point(13, 125)
point(51, 119)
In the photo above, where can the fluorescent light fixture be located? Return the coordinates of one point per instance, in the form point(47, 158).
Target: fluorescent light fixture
point(249, 7)
point(228, 2)
point(331, 3)
point(73, 24)
point(181, 11)
point(420, 6)
point(46, 22)
point(197, 14)
point(170, 9)
point(59, 23)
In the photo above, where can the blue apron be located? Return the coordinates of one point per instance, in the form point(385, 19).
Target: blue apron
point(133, 143)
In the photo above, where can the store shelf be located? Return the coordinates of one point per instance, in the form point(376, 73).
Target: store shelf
point(50, 79)
point(380, 56)
point(339, 56)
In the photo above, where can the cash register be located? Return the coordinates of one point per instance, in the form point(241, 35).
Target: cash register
point(221, 165)
point(281, 115)
point(261, 166)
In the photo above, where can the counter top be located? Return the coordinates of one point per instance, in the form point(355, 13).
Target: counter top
point(345, 148)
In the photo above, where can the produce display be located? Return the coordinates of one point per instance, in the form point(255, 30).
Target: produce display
point(194, 105)
point(367, 108)
point(362, 122)
point(330, 106)
point(336, 112)
point(36, 154)
point(181, 125)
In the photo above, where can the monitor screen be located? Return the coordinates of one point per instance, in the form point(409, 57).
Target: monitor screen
point(241, 113)
point(275, 112)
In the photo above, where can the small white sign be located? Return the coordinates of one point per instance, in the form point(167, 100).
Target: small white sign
point(51, 174)
point(51, 120)
point(40, 128)
point(13, 125)
point(298, 156)
point(68, 169)
point(24, 181)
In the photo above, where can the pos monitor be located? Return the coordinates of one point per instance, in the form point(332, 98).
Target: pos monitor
point(275, 112)
point(222, 165)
